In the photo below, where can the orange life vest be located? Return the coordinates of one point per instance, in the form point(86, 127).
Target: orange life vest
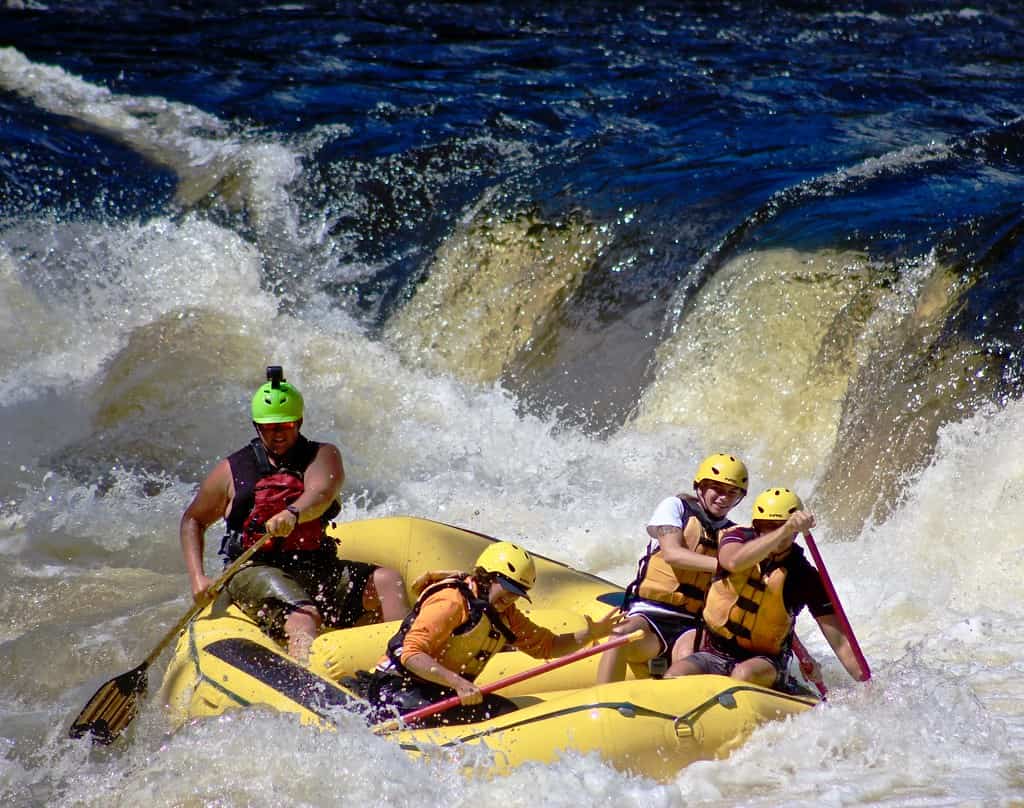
point(748, 609)
point(658, 581)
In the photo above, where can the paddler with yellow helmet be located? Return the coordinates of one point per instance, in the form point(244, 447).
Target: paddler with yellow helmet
point(287, 486)
point(762, 583)
point(666, 596)
point(458, 622)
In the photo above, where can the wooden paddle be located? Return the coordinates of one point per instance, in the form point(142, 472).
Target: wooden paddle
point(116, 703)
point(844, 624)
point(490, 687)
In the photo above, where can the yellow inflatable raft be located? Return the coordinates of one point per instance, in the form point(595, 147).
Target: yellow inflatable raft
point(645, 726)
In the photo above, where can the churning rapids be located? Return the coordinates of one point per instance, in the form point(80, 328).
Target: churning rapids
point(528, 262)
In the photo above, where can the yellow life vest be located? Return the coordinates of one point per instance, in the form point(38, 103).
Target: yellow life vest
point(471, 645)
point(682, 589)
point(466, 653)
point(747, 608)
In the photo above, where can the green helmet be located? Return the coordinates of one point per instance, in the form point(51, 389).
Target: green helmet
point(276, 402)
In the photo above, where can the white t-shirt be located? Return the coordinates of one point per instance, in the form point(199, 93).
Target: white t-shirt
point(670, 511)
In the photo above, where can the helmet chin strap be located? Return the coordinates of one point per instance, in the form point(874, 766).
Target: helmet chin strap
point(263, 441)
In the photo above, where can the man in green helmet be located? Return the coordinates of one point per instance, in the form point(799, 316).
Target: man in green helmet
point(284, 485)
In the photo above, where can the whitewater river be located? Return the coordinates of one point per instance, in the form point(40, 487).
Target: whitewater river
point(528, 263)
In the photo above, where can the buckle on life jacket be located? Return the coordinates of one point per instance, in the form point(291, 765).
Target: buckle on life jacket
point(231, 545)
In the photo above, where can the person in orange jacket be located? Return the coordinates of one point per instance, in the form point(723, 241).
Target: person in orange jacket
point(456, 625)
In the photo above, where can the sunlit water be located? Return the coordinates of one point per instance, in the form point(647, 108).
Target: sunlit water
point(527, 267)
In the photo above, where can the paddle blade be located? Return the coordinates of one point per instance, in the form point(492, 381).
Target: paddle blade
point(112, 707)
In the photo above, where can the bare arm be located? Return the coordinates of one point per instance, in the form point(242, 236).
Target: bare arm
point(323, 481)
point(829, 625)
point(426, 667)
point(736, 556)
point(210, 504)
point(677, 555)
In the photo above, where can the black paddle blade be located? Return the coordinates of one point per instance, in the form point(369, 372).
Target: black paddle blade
point(112, 707)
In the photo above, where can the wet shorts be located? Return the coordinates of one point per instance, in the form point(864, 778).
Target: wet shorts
point(272, 587)
point(718, 659)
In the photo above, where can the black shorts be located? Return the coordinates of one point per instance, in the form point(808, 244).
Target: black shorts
point(392, 692)
point(274, 586)
point(667, 627)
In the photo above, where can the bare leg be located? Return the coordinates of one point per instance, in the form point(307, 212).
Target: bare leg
point(385, 594)
point(682, 667)
point(684, 645)
point(757, 670)
point(612, 667)
point(301, 627)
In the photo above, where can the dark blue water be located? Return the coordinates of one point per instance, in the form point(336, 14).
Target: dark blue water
point(690, 132)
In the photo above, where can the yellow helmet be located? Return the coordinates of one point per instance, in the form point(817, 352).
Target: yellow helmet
point(776, 505)
point(511, 564)
point(722, 468)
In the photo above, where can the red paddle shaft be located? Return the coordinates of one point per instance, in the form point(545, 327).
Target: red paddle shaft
point(804, 658)
point(490, 687)
point(844, 624)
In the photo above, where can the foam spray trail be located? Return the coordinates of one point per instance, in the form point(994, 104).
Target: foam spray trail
point(215, 162)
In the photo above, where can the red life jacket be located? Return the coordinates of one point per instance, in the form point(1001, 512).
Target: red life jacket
point(263, 490)
point(273, 494)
